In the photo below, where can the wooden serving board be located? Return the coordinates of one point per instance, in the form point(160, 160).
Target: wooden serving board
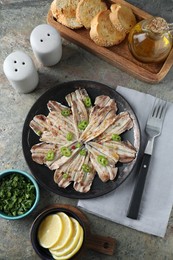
point(119, 55)
point(102, 244)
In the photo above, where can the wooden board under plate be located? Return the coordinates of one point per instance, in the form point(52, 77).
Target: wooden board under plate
point(119, 55)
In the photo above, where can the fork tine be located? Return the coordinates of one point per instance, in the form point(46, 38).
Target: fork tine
point(159, 108)
point(155, 109)
point(163, 109)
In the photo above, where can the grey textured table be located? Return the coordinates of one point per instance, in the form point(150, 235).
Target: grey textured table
point(17, 20)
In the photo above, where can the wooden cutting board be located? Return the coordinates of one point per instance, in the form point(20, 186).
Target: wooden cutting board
point(119, 55)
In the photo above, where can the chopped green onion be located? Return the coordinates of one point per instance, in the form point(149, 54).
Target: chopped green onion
point(66, 151)
point(102, 160)
point(50, 156)
point(38, 133)
point(116, 137)
point(83, 152)
point(82, 124)
point(65, 112)
point(65, 175)
point(17, 194)
point(87, 102)
point(86, 168)
point(69, 136)
point(78, 145)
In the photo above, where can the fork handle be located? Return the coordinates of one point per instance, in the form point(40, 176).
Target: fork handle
point(139, 187)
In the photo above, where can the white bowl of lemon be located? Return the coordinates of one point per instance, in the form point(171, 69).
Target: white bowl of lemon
point(58, 233)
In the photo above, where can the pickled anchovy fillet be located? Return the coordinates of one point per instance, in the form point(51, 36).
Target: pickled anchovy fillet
point(105, 173)
point(49, 137)
point(40, 150)
point(62, 160)
point(84, 180)
point(108, 151)
point(100, 119)
point(70, 171)
point(60, 125)
point(124, 149)
point(57, 107)
point(104, 101)
point(78, 108)
point(122, 123)
point(39, 124)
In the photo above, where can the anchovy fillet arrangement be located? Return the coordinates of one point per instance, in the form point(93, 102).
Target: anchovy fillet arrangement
point(82, 139)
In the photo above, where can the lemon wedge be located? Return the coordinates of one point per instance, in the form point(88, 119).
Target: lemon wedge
point(67, 231)
point(50, 230)
point(72, 243)
point(74, 251)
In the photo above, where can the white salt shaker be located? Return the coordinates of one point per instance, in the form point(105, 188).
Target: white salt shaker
point(21, 72)
point(46, 44)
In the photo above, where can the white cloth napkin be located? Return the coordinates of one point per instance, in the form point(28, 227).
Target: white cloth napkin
point(157, 198)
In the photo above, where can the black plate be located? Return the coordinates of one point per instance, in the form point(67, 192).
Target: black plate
point(44, 175)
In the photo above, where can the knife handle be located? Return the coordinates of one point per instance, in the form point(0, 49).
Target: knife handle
point(139, 187)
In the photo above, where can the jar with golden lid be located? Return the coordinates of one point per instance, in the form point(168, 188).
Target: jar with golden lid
point(150, 40)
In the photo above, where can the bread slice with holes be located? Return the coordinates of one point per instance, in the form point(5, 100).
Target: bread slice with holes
point(87, 9)
point(103, 32)
point(64, 11)
point(122, 17)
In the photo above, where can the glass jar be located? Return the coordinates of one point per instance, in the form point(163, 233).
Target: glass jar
point(150, 40)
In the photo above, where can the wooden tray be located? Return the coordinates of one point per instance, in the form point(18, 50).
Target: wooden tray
point(120, 55)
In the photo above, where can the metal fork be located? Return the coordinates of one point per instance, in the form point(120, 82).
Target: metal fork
point(153, 129)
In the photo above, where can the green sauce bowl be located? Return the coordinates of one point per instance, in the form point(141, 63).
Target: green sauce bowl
point(29, 177)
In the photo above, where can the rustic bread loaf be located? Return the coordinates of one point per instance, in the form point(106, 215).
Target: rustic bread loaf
point(65, 12)
point(122, 17)
point(87, 9)
point(103, 32)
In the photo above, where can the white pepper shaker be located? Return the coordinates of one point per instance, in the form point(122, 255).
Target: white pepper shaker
point(21, 72)
point(46, 44)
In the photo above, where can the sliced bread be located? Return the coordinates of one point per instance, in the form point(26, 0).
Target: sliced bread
point(87, 9)
point(103, 32)
point(122, 17)
point(53, 9)
point(65, 12)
